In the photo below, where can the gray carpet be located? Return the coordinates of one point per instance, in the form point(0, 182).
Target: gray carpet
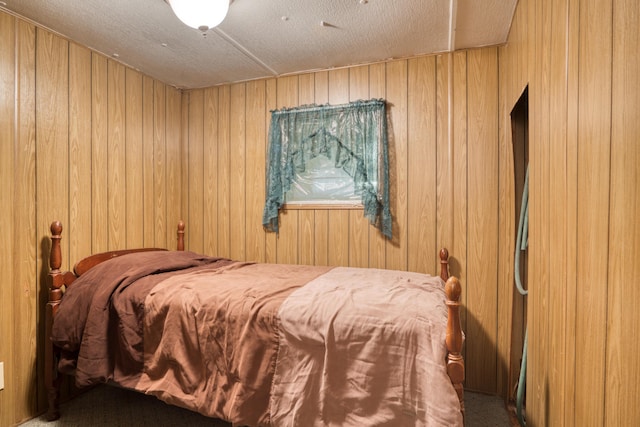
point(111, 406)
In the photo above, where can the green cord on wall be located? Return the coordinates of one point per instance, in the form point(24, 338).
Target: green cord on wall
point(521, 383)
point(523, 234)
point(521, 244)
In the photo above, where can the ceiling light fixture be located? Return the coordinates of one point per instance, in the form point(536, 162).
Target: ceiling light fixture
point(200, 14)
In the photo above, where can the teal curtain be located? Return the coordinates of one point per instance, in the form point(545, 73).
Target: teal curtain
point(353, 136)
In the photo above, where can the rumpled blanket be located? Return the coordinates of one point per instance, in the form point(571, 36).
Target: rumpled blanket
point(211, 338)
point(98, 322)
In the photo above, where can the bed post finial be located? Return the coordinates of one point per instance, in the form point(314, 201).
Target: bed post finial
point(55, 256)
point(444, 264)
point(181, 235)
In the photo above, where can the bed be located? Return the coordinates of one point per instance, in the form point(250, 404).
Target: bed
point(259, 344)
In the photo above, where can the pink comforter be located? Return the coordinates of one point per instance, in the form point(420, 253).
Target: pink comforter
point(264, 344)
point(364, 347)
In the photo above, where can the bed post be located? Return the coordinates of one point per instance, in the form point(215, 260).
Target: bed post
point(59, 279)
point(180, 235)
point(51, 377)
point(455, 362)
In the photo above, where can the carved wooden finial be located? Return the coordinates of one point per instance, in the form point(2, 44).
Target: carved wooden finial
point(453, 289)
point(56, 228)
point(181, 235)
point(444, 264)
point(55, 256)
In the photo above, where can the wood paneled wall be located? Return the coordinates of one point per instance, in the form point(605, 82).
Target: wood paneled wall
point(86, 141)
point(119, 157)
point(580, 61)
point(445, 183)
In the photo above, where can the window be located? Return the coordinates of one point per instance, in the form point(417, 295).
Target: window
point(329, 154)
point(322, 183)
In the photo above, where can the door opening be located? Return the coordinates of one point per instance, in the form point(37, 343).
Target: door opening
point(520, 141)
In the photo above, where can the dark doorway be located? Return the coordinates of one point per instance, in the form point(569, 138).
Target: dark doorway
point(520, 140)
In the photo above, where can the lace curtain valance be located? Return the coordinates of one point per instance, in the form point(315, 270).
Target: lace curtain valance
point(353, 136)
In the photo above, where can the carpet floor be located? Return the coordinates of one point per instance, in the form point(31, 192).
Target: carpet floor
point(111, 406)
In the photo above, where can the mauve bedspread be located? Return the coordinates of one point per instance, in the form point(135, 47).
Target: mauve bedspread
point(364, 347)
point(211, 338)
point(263, 344)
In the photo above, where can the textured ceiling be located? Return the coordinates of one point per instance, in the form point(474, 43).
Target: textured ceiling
point(265, 38)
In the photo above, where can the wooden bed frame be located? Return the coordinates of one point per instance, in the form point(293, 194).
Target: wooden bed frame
point(60, 279)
